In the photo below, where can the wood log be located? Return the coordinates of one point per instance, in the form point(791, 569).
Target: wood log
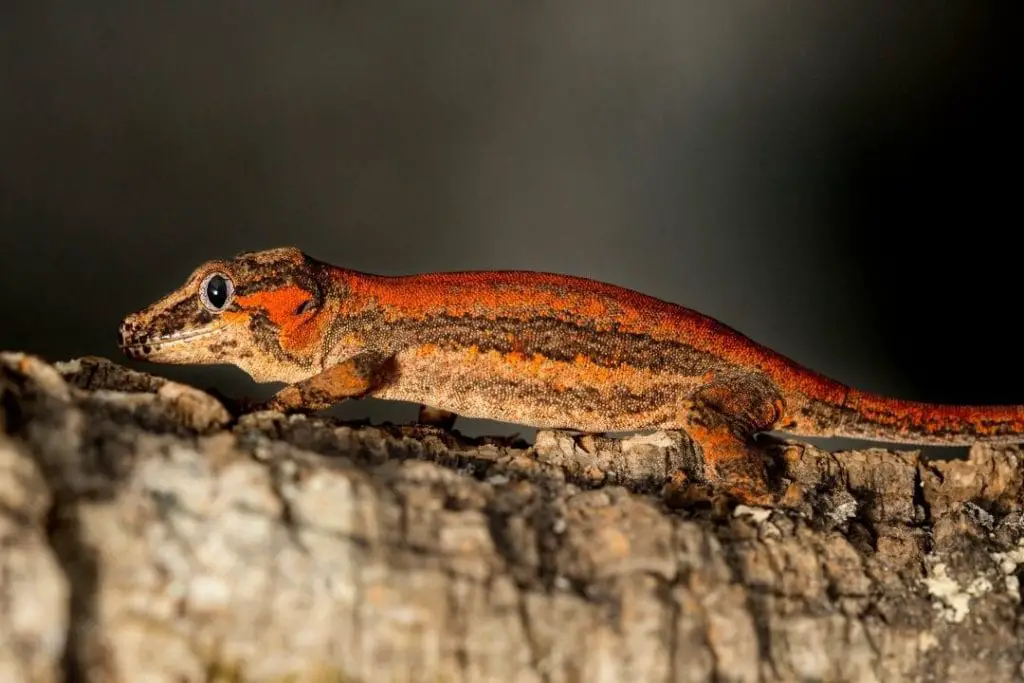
point(150, 535)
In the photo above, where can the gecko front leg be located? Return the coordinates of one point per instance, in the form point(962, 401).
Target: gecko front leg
point(352, 378)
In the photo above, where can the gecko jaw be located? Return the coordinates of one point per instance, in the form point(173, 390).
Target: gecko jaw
point(141, 347)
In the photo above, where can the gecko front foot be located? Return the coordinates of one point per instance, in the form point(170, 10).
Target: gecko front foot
point(350, 379)
point(236, 407)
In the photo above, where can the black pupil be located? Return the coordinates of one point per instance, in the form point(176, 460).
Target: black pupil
point(217, 291)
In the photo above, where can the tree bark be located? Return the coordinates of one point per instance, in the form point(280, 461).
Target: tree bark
point(149, 535)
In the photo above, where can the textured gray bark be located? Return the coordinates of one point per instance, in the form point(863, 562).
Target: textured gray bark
point(148, 536)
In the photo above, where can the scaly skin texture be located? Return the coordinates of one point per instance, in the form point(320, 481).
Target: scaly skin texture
point(538, 349)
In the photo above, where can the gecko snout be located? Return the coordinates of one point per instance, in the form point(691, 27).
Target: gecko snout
point(131, 341)
point(164, 335)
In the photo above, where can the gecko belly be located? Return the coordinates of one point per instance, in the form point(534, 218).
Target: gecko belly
point(538, 391)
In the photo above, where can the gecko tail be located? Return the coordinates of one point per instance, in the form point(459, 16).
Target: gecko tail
point(872, 417)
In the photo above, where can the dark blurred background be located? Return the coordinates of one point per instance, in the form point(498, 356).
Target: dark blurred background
point(837, 180)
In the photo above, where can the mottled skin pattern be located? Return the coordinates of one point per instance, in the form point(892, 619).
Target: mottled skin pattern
point(544, 350)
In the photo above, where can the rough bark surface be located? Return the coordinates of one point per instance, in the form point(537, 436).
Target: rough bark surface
point(148, 535)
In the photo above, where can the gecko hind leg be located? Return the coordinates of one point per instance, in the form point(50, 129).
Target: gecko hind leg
point(722, 421)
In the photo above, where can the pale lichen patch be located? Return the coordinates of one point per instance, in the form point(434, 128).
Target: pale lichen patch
point(756, 514)
point(953, 601)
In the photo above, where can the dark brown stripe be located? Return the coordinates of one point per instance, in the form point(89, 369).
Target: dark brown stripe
point(616, 401)
point(550, 338)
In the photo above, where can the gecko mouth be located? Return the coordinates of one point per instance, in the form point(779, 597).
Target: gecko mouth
point(138, 345)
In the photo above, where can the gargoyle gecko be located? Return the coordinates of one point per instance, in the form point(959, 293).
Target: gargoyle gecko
point(538, 349)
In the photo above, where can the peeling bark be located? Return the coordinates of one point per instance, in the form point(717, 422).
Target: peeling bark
point(148, 534)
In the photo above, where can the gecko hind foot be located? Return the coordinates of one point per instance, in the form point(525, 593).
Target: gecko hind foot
point(736, 476)
point(734, 466)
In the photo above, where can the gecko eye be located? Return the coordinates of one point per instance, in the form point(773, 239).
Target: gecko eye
point(216, 291)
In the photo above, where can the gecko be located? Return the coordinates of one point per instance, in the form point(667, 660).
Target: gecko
point(538, 349)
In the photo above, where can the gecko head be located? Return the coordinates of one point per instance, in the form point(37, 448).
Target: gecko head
point(260, 311)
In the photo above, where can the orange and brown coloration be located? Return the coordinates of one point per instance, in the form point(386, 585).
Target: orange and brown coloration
point(544, 350)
